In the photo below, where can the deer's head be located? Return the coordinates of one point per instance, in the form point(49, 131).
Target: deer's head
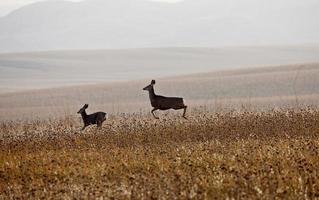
point(83, 108)
point(150, 86)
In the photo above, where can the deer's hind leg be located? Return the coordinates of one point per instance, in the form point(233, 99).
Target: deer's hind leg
point(184, 112)
point(99, 124)
point(182, 107)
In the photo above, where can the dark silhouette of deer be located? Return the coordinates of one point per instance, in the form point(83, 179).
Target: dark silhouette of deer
point(164, 103)
point(95, 118)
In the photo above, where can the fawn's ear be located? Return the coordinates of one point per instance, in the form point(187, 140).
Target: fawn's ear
point(86, 106)
point(153, 82)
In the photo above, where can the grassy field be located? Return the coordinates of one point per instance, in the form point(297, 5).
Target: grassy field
point(251, 133)
point(220, 155)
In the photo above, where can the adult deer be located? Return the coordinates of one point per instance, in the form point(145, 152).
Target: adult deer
point(164, 103)
point(96, 118)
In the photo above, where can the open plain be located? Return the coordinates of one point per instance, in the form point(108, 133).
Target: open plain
point(251, 133)
point(251, 155)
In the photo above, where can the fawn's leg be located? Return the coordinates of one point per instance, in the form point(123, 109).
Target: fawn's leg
point(99, 124)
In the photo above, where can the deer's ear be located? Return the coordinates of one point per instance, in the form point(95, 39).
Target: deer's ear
point(153, 82)
point(86, 105)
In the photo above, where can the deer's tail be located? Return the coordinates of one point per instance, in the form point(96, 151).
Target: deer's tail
point(105, 116)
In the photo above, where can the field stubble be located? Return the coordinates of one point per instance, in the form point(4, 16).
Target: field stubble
point(264, 155)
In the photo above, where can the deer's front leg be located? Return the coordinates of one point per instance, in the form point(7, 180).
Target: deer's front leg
point(154, 109)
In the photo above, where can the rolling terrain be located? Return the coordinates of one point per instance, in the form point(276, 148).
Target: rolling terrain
point(247, 70)
point(22, 71)
point(254, 88)
point(252, 132)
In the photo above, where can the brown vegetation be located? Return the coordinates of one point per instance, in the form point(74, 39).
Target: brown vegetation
point(260, 155)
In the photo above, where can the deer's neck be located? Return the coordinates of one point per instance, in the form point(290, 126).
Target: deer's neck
point(152, 94)
point(84, 115)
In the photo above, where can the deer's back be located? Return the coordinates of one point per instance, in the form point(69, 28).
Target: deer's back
point(162, 102)
point(95, 117)
point(100, 115)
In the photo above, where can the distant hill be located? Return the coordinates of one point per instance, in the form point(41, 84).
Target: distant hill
point(21, 71)
point(106, 24)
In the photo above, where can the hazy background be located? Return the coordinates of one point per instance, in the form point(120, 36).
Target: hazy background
point(93, 41)
point(214, 53)
point(32, 70)
point(106, 24)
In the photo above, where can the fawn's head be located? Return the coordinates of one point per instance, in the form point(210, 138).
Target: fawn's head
point(83, 108)
point(150, 86)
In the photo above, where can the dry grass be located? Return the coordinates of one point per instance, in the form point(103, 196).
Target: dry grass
point(262, 155)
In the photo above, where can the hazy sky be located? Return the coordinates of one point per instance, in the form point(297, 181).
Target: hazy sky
point(110, 24)
point(6, 6)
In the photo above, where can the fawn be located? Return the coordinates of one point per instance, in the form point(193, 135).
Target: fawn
point(95, 118)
